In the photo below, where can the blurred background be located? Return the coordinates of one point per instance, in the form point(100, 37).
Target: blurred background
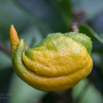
point(33, 20)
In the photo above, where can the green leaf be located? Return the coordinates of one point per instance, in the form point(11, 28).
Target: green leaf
point(9, 14)
point(22, 92)
point(5, 61)
point(86, 94)
point(64, 5)
point(26, 10)
point(65, 10)
point(97, 59)
point(86, 29)
point(29, 35)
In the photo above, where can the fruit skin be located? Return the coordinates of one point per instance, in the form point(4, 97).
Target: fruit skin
point(56, 64)
point(13, 39)
point(82, 39)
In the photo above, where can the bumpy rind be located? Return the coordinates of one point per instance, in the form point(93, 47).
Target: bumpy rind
point(46, 82)
point(58, 57)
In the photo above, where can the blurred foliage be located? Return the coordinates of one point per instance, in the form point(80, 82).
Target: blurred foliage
point(33, 20)
point(27, 95)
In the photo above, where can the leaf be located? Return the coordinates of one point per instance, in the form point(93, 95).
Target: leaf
point(9, 14)
point(90, 93)
point(22, 92)
point(34, 13)
point(65, 10)
point(64, 5)
point(86, 29)
point(5, 61)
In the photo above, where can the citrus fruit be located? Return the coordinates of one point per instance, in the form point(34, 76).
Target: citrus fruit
point(59, 62)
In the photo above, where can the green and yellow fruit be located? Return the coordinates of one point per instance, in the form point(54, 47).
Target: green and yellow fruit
point(59, 62)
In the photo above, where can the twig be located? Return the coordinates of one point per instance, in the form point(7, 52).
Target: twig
point(4, 48)
point(64, 96)
point(74, 27)
point(79, 16)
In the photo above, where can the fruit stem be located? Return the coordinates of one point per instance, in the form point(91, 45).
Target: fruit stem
point(74, 27)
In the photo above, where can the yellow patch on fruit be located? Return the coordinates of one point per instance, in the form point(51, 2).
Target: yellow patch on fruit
point(55, 65)
point(14, 40)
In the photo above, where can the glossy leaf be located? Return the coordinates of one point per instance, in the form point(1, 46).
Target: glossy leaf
point(84, 28)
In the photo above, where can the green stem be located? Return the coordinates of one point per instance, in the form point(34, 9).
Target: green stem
point(74, 27)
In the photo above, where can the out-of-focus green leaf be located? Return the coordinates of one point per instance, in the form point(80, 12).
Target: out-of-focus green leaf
point(97, 59)
point(97, 47)
point(9, 14)
point(30, 34)
point(64, 5)
point(5, 60)
point(92, 7)
point(101, 35)
point(92, 95)
point(65, 10)
point(86, 29)
point(78, 88)
point(22, 92)
point(97, 22)
point(27, 9)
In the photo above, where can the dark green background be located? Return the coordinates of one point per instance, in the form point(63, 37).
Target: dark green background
point(33, 20)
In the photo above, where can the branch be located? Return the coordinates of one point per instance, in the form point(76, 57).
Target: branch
point(5, 49)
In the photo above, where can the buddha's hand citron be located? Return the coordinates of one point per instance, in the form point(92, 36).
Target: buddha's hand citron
point(59, 62)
